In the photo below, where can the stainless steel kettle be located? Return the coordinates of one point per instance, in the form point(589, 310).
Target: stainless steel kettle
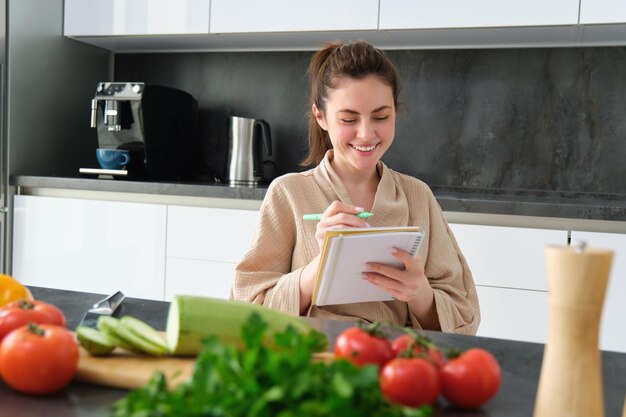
point(244, 165)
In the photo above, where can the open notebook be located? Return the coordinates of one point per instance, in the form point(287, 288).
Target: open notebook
point(344, 257)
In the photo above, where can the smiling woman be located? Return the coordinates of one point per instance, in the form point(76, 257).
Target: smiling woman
point(354, 97)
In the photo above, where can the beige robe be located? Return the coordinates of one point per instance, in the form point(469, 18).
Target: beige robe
point(283, 244)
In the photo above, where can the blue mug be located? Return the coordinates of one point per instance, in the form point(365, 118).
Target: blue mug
point(112, 158)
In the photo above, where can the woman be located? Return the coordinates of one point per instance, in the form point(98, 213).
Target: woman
point(354, 97)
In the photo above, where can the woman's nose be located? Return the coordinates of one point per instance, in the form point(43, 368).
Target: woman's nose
point(365, 130)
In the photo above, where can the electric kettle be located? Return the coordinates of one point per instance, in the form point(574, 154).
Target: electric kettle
point(244, 165)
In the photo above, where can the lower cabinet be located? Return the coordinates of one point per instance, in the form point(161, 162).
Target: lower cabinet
point(513, 314)
point(203, 247)
point(90, 245)
point(508, 266)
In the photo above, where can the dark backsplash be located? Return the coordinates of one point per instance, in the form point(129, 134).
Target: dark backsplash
point(530, 119)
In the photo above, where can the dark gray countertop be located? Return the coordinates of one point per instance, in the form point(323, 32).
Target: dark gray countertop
point(520, 363)
point(570, 205)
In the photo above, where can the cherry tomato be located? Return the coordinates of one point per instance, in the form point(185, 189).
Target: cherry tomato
point(38, 359)
point(471, 379)
point(361, 347)
point(20, 313)
point(402, 343)
point(412, 382)
point(12, 290)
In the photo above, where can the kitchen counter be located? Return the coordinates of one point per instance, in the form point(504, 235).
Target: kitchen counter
point(520, 363)
point(569, 205)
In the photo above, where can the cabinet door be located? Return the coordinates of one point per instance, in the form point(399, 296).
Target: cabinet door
point(204, 246)
point(198, 277)
point(241, 16)
point(92, 246)
point(612, 335)
point(602, 11)
point(513, 314)
point(425, 14)
point(135, 17)
point(211, 234)
point(508, 257)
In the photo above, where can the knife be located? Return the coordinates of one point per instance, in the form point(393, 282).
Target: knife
point(109, 306)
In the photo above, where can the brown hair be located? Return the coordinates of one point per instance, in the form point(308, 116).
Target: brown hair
point(335, 61)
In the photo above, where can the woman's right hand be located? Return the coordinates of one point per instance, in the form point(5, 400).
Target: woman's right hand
point(338, 216)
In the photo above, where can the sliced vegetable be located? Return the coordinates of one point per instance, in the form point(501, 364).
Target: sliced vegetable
point(133, 334)
point(192, 318)
point(142, 336)
point(95, 341)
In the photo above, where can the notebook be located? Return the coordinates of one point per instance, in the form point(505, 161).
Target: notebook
point(344, 257)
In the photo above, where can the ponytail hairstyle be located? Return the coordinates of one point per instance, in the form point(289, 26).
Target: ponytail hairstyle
point(336, 61)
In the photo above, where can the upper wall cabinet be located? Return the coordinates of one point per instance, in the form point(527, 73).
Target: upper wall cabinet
point(240, 25)
point(245, 16)
point(602, 11)
point(431, 14)
point(603, 22)
point(135, 17)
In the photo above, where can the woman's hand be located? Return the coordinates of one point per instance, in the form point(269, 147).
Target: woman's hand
point(338, 216)
point(406, 283)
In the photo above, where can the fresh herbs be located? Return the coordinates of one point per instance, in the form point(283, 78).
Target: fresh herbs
point(260, 381)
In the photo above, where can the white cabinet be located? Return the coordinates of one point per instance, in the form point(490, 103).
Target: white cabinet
point(431, 14)
point(93, 246)
point(135, 17)
point(508, 266)
point(513, 314)
point(612, 335)
point(241, 16)
point(509, 257)
point(602, 11)
point(203, 247)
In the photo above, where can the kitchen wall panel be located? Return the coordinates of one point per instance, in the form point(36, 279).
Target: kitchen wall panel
point(535, 119)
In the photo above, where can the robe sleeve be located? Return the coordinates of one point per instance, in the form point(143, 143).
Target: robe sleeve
point(455, 294)
point(264, 275)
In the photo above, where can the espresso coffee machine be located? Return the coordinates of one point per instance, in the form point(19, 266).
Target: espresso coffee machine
point(157, 125)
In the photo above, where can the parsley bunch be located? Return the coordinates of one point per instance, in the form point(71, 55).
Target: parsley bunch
point(262, 381)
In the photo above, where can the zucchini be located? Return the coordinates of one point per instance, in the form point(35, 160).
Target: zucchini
point(94, 341)
point(191, 319)
point(133, 334)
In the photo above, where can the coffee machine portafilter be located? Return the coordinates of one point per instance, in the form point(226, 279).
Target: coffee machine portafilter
point(156, 124)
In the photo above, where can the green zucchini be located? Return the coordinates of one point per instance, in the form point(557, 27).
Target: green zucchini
point(95, 341)
point(192, 318)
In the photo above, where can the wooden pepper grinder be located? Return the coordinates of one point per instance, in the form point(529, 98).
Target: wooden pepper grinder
point(571, 376)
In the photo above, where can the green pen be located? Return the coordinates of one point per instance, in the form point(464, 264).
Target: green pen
point(362, 215)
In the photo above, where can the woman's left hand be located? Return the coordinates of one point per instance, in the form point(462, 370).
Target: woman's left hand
point(404, 283)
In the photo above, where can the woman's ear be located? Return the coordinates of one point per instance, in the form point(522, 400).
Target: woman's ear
point(319, 116)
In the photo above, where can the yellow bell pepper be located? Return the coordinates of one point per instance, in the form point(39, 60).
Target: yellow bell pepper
point(11, 290)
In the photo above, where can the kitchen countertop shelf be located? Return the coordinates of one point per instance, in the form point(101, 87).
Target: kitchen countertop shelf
point(550, 204)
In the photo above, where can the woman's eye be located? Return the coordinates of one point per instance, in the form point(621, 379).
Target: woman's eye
point(381, 118)
point(348, 121)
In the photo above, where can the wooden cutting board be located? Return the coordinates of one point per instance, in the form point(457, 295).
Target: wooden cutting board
point(126, 370)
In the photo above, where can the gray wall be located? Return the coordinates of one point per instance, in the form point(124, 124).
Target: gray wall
point(535, 119)
point(51, 81)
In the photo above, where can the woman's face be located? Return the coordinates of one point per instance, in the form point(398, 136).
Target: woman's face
point(360, 120)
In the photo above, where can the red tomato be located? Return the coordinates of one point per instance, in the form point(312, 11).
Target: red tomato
point(360, 347)
point(410, 381)
point(402, 343)
point(471, 379)
point(38, 359)
point(22, 312)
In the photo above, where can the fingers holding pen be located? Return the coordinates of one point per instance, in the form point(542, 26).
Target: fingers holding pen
point(338, 215)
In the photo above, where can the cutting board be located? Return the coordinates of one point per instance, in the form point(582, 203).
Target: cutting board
point(126, 370)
